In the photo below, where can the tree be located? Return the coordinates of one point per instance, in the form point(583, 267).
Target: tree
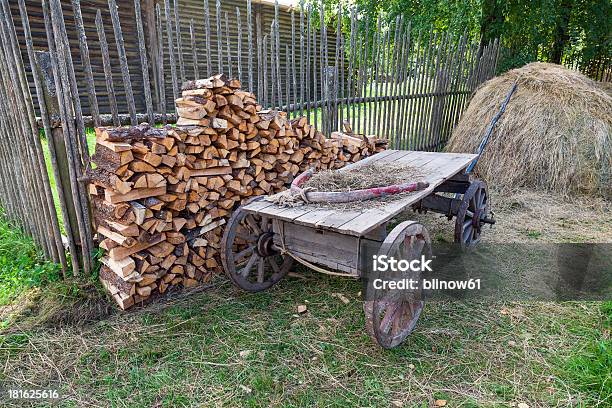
point(491, 22)
point(561, 31)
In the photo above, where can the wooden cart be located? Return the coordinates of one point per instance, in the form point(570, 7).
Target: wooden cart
point(262, 239)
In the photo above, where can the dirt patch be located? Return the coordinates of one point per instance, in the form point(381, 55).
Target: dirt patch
point(534, 216)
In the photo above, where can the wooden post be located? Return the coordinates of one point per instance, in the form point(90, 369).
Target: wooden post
point(152, 43)
point(44, 73)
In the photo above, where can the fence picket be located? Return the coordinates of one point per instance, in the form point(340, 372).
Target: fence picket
point(239, 50)
point(179, 41)
point(207, 38)
point(250, 39)
point(229, 47)
point(108, 74)
point(194, 50)
point(161, 79)
point(144, 63)
point(84, 49)
point(219, 36)
point(43, 99)
point(169, 35)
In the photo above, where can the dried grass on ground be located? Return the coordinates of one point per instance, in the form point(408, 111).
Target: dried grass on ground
point(556, 134)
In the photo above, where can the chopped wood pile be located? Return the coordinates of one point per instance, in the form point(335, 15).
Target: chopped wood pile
point(161, 196)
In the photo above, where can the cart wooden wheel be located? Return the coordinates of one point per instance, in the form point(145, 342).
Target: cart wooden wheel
point(248, 255)
point(393, 315)
point(472, 215)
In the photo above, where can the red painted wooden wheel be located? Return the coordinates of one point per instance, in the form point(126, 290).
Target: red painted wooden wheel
point(393, 315)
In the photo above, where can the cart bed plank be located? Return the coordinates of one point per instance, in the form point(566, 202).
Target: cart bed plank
point(435, 169)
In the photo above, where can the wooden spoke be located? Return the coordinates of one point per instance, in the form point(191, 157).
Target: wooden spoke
point(473, 210)
point(250, 220)
point(244, 253)
point(247, 268)
point(273, 264)
point(248, 257)
point(260, 270)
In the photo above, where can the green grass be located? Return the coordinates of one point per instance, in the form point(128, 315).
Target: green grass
point(22, 265)
point(222, 346)
point(590, 364)
point(91, 144)
point(225, 347)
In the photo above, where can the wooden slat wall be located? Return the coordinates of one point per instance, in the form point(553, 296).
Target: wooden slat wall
point(89, 8)
point(188, 9)
point(194, 9)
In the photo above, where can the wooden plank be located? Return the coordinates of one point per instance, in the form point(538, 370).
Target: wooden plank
point(338, 218)
point(294, 212)
point(312, 217)
point(328, 248)
point(255, 206)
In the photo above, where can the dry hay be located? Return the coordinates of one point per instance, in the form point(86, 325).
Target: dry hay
point(554, 136)
point(363, 177)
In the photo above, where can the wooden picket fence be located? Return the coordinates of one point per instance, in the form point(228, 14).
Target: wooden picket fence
point(410, 87)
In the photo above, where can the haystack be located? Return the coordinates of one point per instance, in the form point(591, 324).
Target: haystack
point(555, 134)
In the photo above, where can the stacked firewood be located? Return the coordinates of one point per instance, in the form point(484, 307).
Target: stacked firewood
point(162, 195)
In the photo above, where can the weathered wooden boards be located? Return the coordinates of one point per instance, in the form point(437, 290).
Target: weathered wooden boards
point(161, 196)
point(435, 169)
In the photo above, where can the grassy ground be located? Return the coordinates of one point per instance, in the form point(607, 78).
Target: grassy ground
point(220, 346)
point(91, 142)
point(22, 266)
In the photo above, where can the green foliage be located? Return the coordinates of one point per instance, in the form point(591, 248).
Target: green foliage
point(21, 263)
point(529, 31)
point(591, 365)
